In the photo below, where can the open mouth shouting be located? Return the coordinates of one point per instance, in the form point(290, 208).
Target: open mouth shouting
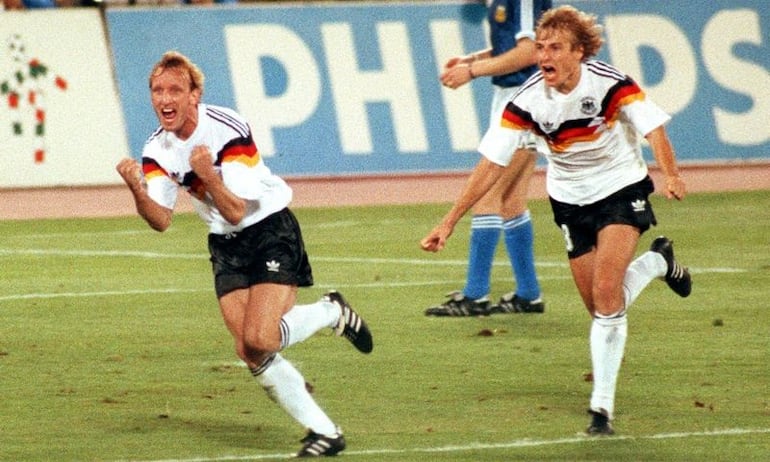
point(549, 72)
point(168, 115)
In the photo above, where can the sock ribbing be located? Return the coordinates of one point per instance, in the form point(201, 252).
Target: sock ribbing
point(302, 321)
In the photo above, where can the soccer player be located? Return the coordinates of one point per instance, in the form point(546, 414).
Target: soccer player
point(590, 114)
point(503, 209)
point(257, 252)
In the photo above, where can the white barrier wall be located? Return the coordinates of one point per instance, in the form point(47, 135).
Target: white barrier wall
point(60, 119)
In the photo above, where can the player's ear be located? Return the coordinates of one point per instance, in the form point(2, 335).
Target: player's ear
point(195, 95)
point(578, 47)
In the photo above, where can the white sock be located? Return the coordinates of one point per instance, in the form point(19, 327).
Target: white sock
point(608, 341)
point(302, 321)
point(286, 386)
point(648, 266)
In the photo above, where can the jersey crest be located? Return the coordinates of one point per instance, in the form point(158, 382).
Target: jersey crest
point(588, 106)
point(501, 13)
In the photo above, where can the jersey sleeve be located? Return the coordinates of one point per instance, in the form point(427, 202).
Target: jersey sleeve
point(501, 140)
point(627, 99)
point(160, 187)
point(645, 115)
point(243, 171)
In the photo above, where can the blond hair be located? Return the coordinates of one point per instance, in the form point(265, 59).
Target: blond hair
point(586, 31)
point(181, 63)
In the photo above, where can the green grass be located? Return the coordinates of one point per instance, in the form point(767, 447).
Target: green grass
point(112, 347)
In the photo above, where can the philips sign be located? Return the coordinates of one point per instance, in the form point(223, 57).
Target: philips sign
point(353, 88)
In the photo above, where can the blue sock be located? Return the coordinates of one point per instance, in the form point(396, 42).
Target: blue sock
point(519, 237)
point(485, 232)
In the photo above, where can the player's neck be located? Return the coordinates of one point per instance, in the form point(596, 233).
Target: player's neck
point(571, 82)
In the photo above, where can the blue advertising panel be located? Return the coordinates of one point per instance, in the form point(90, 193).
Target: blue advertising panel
point(352, 88)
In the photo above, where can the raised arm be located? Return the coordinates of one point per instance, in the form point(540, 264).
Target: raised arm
point(463, 69)
point(157, 216)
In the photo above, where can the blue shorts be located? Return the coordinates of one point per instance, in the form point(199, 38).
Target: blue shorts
point(271, 251)
point(581, 223)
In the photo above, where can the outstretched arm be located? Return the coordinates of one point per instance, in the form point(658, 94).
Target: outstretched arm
point(517, 58)
point(157, 216)
point(484, 175)
point(463, 69)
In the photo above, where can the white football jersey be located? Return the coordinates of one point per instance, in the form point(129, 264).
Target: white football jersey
point(592, 133)
point(166, 167)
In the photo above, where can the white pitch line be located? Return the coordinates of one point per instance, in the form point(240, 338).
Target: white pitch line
point(188, 256)
point(118, 293)
point(123, 232)
point(422, 261)
point(201, 256)
point(101, 253)
point(364, 260)
point(106, 293)
point(522, 443)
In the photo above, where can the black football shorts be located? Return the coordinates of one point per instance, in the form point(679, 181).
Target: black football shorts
point(270, 251)
point(580, 224)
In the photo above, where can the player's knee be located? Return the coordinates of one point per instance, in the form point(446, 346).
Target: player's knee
point(607, 299)
point(258, 346)
point(608, 313)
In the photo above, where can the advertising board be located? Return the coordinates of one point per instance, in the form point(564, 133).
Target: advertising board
point(352, 88)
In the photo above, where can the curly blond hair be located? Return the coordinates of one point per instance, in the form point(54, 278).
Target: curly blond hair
point(587, 33)
point(181, 63)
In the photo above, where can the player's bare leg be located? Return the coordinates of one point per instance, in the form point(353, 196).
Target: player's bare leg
point(256, 325)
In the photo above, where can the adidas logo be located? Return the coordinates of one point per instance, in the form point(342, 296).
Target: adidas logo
point(638, 205)
point(273, 266)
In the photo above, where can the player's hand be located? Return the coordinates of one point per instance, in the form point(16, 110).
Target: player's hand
point(675, 187)
point(131, 173)
point(454, 61)
point(436, 239)
point(202, 162)
point(456, 77)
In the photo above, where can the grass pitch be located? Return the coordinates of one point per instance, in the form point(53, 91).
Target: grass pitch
point(112, 347)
